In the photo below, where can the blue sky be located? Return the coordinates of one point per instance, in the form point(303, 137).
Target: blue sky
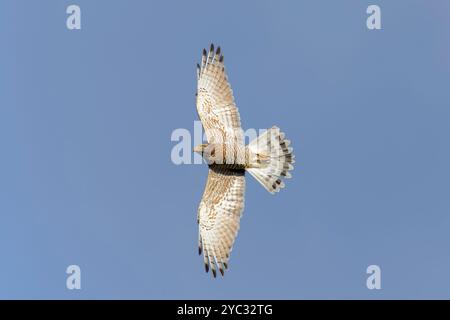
point(86, 176)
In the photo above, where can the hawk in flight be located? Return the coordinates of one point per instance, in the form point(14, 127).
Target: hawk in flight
point(268, 158)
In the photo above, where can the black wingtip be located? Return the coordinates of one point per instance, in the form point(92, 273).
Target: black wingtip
point(204, 52)
point(214, 273)
point(221, 59)
point(225, 265)
point(199, 250)
point(218, 50)
point(206, 267)
point(221, 272)
point(211, 48)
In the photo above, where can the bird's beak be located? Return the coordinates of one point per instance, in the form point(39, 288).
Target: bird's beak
point(197, 149)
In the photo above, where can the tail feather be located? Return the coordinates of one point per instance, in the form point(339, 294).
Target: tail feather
point(278, 159)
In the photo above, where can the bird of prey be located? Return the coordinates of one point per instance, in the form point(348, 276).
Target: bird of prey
point(268, 158)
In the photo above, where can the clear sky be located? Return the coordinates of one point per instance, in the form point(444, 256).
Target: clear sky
point(86, 176)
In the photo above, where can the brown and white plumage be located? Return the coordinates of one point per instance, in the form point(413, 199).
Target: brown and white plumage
point(219, 214)
point(215, 102)
point(222, 203)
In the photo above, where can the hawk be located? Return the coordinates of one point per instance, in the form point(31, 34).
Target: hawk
point(268, 158)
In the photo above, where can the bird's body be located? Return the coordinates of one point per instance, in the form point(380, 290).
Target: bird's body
point(229, 155)
point(268, 159)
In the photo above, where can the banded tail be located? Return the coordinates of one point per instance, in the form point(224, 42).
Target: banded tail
point(275, 159)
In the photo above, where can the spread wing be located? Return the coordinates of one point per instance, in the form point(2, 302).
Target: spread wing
point(219, 215)
point(215, 102)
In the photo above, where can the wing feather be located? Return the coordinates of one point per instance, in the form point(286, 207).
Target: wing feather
point(219, 216)
point(215, 102)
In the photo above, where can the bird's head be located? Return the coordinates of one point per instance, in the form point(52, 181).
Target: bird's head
point(201, 148)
